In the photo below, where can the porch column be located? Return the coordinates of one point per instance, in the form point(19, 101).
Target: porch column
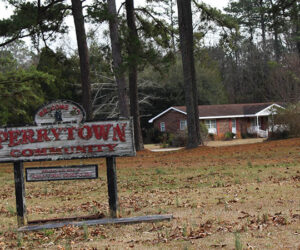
point(257, 126)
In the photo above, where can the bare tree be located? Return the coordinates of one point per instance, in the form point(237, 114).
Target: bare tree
point(133, 51)
point(117, 59)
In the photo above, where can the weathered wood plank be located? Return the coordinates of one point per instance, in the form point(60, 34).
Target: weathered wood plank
point(20, 193)
point(111, 172)
point(131, 220)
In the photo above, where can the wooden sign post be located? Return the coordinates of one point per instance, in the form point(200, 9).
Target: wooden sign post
point(20, 193)
point(61, 133)
point(111, 172)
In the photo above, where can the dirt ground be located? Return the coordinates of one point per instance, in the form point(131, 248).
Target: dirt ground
point(230, 197)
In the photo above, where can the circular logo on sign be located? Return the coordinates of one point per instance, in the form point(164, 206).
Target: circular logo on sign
point(60, 111)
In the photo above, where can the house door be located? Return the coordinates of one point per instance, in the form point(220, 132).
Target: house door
point(233, 126)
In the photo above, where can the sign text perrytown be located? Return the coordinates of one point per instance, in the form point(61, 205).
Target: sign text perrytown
point(67, 141)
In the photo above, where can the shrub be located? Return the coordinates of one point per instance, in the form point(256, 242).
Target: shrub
point(203, 132)
point(164, 138)
point(211, 137)
point(153, 135)
point(228, 136)
point(278, 135)
point(178, 140)
point(286, 122)
point(244, 135)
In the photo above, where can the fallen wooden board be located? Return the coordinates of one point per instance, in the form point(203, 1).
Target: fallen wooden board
point(74, 218)
point(130, 220)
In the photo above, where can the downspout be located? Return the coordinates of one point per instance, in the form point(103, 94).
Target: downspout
point(257, 126)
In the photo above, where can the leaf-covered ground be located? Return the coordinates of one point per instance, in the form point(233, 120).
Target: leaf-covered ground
point(246, 195)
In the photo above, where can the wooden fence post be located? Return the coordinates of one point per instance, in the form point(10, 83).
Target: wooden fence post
point(112, 186)
point(20, 193)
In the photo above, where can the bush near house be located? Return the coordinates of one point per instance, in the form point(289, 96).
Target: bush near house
point(287, 122)
point(228, 136)
point(152, 135)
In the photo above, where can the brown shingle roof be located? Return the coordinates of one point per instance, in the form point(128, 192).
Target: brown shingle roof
point(228, 109)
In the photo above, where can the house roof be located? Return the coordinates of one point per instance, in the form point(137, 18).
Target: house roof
point(226, 110)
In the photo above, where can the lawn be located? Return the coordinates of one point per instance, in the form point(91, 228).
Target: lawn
point(243, 196)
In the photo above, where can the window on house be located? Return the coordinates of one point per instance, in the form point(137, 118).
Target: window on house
point(211, 124)
point(233, 123)
point(162, 127)
point(183, 124)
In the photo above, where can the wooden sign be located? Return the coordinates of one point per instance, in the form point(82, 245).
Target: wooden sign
point(67, 141)
point(62, 133)
point(61, 173)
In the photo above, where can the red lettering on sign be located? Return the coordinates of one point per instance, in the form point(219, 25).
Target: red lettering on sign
point(88, 133)
point(27, 152)
point(13, 136)
point(111, 147)
point(90, 148)
point(43, 112)
point(56, 132)
point(66, 151)
point(28, 136)
point(15, 153)
point(99, 148)
point(55, 151)
point(42, 135)
point(120, 133)
point(3, 138)
point(76, 110)
point(40, 151)
point(101, 131)
point(70, 133)
point(80, 149)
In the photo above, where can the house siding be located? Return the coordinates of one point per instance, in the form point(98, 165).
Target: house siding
point(224, 126)
point(171, 120)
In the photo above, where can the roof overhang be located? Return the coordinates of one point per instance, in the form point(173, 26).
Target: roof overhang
point(272, 109)
point(167, 110)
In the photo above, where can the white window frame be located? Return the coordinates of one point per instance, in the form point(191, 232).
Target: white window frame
point(162, 126)
point(211, 126)
point(183, 124)
point(233, 126)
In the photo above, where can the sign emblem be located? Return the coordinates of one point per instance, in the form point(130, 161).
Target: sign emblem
point(60, 111)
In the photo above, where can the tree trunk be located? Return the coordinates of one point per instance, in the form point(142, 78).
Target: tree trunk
point(276, 43)
point(133, 51)
point(172, 26)
point(117, 59)
point(186, 46)
point(296, 20)
point(262, 25)
point(83, 57)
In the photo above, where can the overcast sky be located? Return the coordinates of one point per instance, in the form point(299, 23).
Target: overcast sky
point(4, 13)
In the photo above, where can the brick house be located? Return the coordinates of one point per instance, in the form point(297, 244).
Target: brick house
point(238, 119)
